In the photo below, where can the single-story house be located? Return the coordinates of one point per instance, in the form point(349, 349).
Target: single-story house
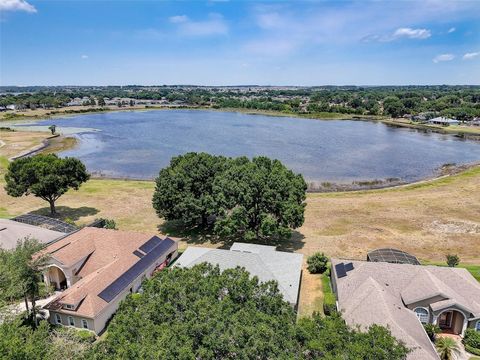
point(262, 261)
point(443, 121)
point(98, 268)
point(12, 231)
point(403, 297)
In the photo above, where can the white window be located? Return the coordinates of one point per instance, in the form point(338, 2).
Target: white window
point(71, 322)
point(58, 318)
point(68, 306)
point(84, 324)
point(422, 315)
point(477, 327)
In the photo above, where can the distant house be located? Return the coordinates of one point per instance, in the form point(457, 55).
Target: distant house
point(259, 260)
point(443, 121)
point(98, 268)
point(404, 297)
point(12, 231)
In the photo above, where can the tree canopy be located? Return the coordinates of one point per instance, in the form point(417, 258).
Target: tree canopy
point(184, 189)
point(203, 313)
point(253, 199)
point(259, 198)
point(45, 176)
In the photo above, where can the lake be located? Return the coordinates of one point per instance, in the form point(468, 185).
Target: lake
point(137, 144)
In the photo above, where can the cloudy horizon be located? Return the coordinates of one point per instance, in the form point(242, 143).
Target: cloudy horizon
point(239, 43)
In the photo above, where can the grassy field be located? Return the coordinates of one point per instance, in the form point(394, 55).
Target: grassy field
point(428, 219)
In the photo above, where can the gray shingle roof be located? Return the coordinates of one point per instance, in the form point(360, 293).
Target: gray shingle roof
point(262, 261)
point(375, 293)
point(12, 231)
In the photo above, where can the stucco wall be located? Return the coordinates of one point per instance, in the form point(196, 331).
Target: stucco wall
point(76, 319)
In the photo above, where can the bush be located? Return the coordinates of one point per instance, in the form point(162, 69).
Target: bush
point(452, 260)
point(472, 338)
point(472, 350)
point(329, 300)
point(317, 263)
point(110, 224)
point(85, 336)
point(432, 331)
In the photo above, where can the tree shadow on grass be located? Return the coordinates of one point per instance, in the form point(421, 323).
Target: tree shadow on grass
point(199, 236)
point(65, 212)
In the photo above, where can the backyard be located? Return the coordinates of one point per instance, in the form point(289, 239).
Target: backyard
point(429, 219)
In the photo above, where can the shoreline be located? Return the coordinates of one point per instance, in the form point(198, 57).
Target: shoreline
point(470, 133)
point(339, 188)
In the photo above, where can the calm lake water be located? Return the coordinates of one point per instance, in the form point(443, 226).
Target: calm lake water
point(136, 144)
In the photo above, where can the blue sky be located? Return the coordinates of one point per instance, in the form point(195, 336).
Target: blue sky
point(80, 42)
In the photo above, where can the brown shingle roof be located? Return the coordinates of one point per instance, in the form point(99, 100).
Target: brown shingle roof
point(107, 253)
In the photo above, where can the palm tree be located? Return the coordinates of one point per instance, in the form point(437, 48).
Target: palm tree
point(447, 348)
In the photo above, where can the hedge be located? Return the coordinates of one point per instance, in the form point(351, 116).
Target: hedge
point(472, 350)
point(329, 300)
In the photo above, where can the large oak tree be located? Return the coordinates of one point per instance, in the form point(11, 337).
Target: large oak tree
point(45, 176)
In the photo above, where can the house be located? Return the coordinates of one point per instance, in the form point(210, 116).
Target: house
point(405, 296)
point(443, 121)
point(12, 231)
point(261, 261)
point(97, 268)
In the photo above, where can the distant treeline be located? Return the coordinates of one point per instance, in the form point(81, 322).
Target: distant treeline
point(461, 102)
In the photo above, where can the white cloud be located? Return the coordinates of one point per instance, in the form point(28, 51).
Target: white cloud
point(84, 56)
point(16, 5)
point(451, 30)
point(443, 57)
point(470, 56)
point(403, 32)
point(214, 25)
point(412, 33)
point(178, 19)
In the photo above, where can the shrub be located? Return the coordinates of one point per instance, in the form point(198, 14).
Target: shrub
point(472, 338)
point(472, 350)
point(317, 263)
point(85, 336)
point(452, 260)
point(432, 331)
point(110, 224)
point(329, 300)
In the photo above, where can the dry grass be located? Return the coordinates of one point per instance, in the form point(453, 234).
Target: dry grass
point(429, 219)
point(311, 294)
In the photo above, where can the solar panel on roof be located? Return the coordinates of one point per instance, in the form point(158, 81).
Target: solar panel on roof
point(124, 280)
point(138, 253)
point(150, 244)
point(340, 270)
point(349, 266)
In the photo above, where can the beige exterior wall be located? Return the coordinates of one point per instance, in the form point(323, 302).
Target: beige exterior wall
point(98, 323)
point(101, 319)
point(65, 321)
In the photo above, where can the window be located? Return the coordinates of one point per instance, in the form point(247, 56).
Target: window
point(70, 307)
point(84, 324)
point(422, 315)
point(71, 322)
point(477, 327)
point(58, 318)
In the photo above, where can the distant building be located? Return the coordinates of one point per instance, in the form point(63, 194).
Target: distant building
point(99, 268)
point(259, 260)
point(443, 121)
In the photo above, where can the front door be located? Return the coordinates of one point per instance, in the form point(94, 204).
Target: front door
point(445, 320)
